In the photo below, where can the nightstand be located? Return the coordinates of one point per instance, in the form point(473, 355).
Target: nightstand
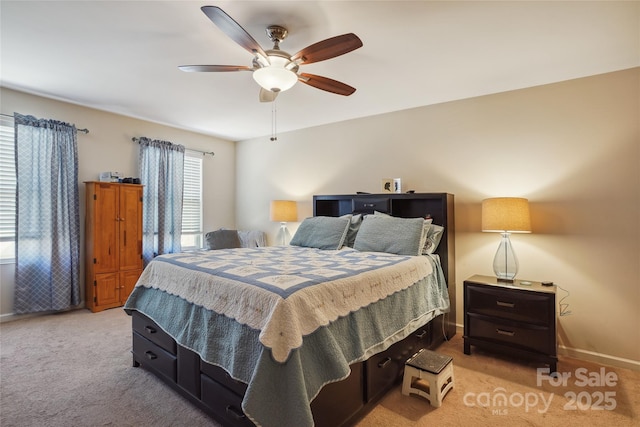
point(516, 318)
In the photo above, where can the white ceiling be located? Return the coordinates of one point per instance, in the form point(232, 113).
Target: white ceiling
point(123, 56)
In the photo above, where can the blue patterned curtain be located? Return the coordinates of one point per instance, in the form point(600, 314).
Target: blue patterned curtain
point(162, 174)
point(48, 216)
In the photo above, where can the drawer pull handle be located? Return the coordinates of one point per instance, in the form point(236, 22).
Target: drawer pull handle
point(421, 334)
point(507, 333)
point(384, 363)
point(150, 355)
point(236, 414)
point(368, 205)
point(506, 304)
point(150, 330)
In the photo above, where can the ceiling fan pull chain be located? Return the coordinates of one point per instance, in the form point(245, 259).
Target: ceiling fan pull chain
point(274, 130)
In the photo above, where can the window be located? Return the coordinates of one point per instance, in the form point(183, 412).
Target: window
point(7, 190)
point(192, 203)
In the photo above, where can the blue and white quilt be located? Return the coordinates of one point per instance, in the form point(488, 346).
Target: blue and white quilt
point(287, 320)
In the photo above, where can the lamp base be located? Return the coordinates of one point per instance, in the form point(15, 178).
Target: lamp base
point(283, 231)
point(505, 263)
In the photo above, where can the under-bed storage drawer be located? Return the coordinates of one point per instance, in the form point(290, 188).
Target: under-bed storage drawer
point(349, 392)
point(221, 376)
point(225, 404)
point(415, 342)
point(151, 331)
point(383, 369)
point(153, 356)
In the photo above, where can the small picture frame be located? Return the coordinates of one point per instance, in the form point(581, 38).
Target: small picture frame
point(387, 185)
point(397, 185)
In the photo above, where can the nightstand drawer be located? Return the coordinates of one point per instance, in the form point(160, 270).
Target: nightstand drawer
point(512, 304)
point(527, 337)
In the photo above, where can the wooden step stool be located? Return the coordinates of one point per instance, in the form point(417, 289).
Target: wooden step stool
point(428, 374)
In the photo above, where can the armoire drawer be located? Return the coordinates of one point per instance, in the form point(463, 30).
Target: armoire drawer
point(152, 356)
point(516, 305)
point(151, 331)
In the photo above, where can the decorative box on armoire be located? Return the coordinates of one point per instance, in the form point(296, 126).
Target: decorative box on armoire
point(113, 240)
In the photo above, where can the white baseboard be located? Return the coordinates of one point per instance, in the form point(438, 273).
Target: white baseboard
point(9, 317)
point(587, 356)
point(602, 359)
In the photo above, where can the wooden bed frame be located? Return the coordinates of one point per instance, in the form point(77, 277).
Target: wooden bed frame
point(338, 404)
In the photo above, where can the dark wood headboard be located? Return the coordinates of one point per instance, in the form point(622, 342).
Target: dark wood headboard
point(439, 206)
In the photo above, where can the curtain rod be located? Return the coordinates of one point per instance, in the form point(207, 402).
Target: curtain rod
point(11, 115)
point(204, 153)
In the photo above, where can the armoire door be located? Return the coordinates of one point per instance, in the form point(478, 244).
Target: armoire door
point(130, 222)
point(107, 289)
point(105, 251)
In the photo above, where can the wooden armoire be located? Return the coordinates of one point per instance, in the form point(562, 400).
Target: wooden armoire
point(113, 239)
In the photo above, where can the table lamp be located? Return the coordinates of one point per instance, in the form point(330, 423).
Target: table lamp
point(506, 215)
point(284, 211)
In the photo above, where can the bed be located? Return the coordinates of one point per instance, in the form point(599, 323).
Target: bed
point(313, 333)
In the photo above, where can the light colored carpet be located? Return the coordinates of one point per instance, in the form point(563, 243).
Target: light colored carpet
point(74, 369)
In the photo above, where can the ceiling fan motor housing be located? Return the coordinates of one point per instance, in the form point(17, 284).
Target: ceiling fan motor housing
point(276, 33)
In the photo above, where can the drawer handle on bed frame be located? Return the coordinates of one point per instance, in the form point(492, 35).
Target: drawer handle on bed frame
point(421, 334)
point(384, 363)
point(506, 304)
point(236, 414)
point(507, 333)
point(150, 330)
point(150, 355)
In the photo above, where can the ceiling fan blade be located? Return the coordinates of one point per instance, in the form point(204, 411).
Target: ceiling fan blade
point(329, 48)
point(232, 29)
point(213, 68)
point(325, 83)
point(267, 95)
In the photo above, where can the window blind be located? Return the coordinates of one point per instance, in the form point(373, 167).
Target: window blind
point(7, 188)
point(192, 202)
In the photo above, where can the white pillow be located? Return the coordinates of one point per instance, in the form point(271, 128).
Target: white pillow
point(354, 226)
point(433, 239)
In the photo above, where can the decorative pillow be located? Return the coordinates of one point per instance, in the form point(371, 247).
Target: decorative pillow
point(322, 232)
point(401, 236)
point(354, 226)
point(222, 239)
point(433, 239)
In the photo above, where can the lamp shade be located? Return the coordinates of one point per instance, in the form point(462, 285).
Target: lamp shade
point(284, 211)
point(509, 214)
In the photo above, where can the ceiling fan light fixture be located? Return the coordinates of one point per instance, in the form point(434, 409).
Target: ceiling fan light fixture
point(276, 77)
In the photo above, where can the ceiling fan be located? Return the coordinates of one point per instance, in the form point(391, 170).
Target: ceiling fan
point(276, 70)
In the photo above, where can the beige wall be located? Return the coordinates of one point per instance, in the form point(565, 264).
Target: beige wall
point(572, 148)
point(108, 147)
